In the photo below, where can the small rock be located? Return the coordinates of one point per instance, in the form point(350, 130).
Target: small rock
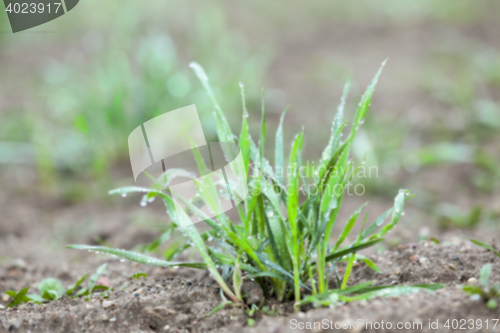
point(107, 304)
point(139, 291)
point(472, 281)
point(423, 260)
point(103, 317)
point(19, 263)
point(452, 267)
point(5, 298)
point(166, 328)
point(135, 294)
point(112, 319)
point(2, 307)
point(414, 258)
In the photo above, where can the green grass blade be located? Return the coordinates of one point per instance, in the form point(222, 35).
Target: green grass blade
point(293, 206)
point(18, 297)
point(377, 223)
point(262, 138)
point(484, 245)
point(237, 279)
point(351, 249)
point(348, 227)
point(364, 105)
point(244, 140)
point(137, 257)
point(219, 307)
point(279, 154)
point(337, 126)
point(368, 262)
point(399, 203)
point(190, 230)
point(223, 130)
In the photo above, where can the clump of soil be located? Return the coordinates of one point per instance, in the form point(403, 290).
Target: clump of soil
point(177, 300)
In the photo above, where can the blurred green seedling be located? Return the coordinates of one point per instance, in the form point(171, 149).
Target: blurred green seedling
point(139, 275)
point(483, 288)
point(52, 289)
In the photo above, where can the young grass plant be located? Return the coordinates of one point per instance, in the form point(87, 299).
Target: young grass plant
point(484, 289)
point(52, 289)
point(287, 251)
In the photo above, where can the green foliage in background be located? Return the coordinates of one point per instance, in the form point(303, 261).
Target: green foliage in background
point(52, 289)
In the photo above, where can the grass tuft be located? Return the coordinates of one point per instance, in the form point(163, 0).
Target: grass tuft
point(282, 240)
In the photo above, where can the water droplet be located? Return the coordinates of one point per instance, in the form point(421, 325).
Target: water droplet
point(124, 195)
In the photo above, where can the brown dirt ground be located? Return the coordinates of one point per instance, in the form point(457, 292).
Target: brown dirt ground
point(176, 300)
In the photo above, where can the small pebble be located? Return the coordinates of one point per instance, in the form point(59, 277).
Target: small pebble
point(189, 283)
point(2, 307)
point(113, 319)
point(107, 304)
point(135, 294)
point(139, 291)
point(414, 258)
point(166, 328)
point(472, 281)
point(5, 298)
point(423, 260)
point(452, 267)
point(103, 317)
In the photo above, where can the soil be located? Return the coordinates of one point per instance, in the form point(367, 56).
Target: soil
point(177, 300)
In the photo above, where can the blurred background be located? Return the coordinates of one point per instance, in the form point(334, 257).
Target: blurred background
point(72, 90)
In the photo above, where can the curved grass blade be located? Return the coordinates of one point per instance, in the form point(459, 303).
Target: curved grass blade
point(219, 307)
point(137, 257)
point(351, 249)
point(399, 203)
point(486, 246)
point(223, 130)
